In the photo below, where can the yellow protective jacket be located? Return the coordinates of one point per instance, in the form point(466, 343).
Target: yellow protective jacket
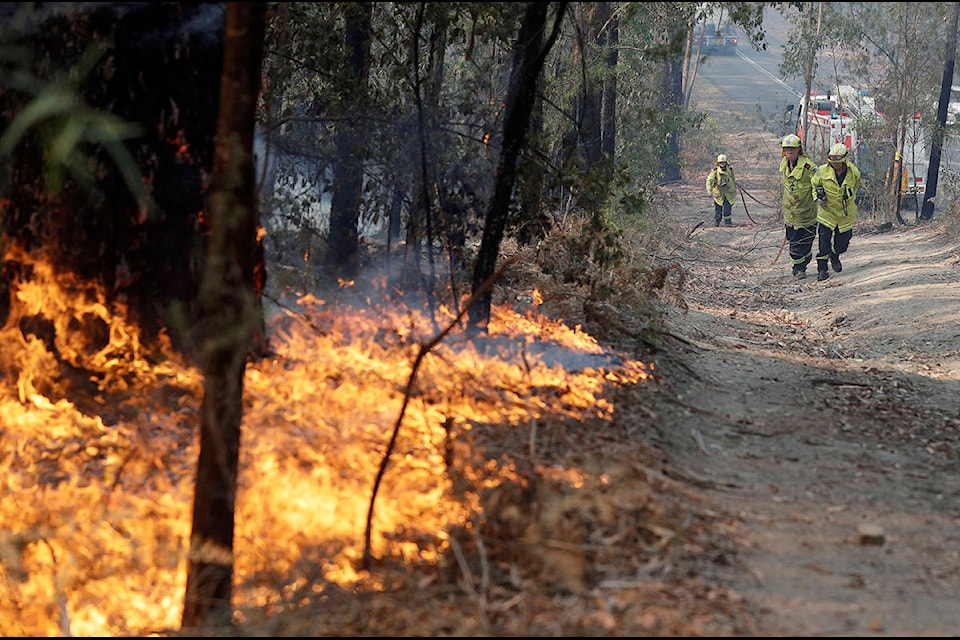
point(722, 184)
point(890, 179)
point(837, 212)
point(799, 206)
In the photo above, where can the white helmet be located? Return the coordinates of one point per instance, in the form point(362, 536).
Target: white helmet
point(790, 140)
point(721, 158)
point(838, 153)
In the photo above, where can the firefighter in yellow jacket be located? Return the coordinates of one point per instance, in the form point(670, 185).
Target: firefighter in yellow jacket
point(798, 204)
point(722, 185)
point(835, 188)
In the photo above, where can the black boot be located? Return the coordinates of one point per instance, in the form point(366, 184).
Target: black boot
point(822, 273)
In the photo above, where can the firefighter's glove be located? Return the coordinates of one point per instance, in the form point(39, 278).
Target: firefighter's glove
point(723, 184)
point(821, 194)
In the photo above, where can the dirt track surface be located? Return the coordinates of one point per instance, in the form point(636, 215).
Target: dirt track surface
point(822, 415)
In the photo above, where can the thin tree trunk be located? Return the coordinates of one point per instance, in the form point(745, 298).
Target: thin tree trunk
point(609, 117)
point(343, 246)
point(933, 170)
point(420, 222)
point(528, 57)
point(229, 316)
point(691, 60)
point(808, 70)
point(670, 99)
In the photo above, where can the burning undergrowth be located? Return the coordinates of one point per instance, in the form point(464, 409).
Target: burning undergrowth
point(497, 505)
point(497, 512)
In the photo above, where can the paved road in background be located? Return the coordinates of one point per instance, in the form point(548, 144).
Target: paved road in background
point(750, 82)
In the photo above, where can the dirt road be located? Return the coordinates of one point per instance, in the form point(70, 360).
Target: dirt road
point(823, 415)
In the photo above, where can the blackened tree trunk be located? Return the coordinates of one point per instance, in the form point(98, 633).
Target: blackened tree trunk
point(609, 125)
point(590, 136)
point(229, 316)
point(535, 224)
point(342, 255)
point(933, 169)
point(669, 103)
point(593, 189)
point(528, 56)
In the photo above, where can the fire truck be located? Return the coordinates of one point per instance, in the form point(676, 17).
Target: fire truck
point(826, 124)
point(850, 116)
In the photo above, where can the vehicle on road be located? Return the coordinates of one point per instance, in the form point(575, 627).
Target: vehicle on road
point(717, 40)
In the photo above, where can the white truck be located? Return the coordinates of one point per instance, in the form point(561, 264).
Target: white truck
point(850, 116)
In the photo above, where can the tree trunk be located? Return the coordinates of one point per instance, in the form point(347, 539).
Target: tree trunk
point(536, 223)
point(609, 124)
point(590, 136)
point(528, 56)
point(343, 246)
point(669, 103)
point(229, 316)
point(593, 183)
point(427, 96)
point(808, 68)
point(933, 170)
point(691, 59)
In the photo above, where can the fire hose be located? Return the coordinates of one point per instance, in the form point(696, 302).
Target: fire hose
point(742, 199)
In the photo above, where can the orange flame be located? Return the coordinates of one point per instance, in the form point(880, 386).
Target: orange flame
point(100, 469)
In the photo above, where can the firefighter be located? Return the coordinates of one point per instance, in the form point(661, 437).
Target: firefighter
point(835, 187)
point(798, 204)
point(897, 191)
point(890, 179)
point(722, 185)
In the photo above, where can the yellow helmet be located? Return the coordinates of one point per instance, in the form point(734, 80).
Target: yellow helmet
point(721, 158)
point(790, 140)
point(838, 153)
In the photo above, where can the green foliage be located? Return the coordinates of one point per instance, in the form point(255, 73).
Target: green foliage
point(64, 128)
point(886, 49)
point(801, 49)
point(435, 131)
point(702, 144)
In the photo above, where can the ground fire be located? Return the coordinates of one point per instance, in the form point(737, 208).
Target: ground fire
point(100, 442)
